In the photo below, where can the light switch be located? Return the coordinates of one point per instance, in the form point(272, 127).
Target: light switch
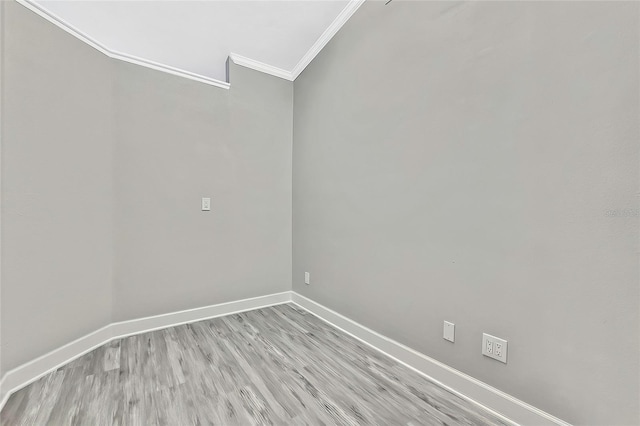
point(206, 204)
point(449, 331)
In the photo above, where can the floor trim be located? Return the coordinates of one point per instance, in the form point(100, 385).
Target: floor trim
point(31, 371)
point(461, 384)
point(506, 406)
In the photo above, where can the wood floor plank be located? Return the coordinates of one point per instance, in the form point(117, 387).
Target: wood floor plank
point(272, 366)
point(69, 404)
point(111, 360)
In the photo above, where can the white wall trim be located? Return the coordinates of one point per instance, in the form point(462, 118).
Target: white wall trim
point(260, 66)
point(27, 373)
point(56, 20)
point(500, 403)
point(326, 36)
point(511, 409)
point(322, 41)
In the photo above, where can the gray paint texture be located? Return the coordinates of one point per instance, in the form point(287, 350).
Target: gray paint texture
point(472, 162)
point(178, 141)
point(469, 162)
point(57, 188)
point(104, 164)
point(1, 136)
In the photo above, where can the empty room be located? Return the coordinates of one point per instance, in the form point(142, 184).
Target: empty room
point(319, 212)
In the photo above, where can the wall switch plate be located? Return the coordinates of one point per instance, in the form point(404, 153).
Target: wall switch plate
point(206, 204)
point(449, 331)
point(307, 278)
point(494, 347)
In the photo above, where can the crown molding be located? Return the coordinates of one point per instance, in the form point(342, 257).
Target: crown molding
point(168, 69)
point(59, 22)
point(260, 66)
point(326, 36)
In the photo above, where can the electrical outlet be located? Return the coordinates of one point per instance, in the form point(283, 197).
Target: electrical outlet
point(307, 278)
point(494, 347)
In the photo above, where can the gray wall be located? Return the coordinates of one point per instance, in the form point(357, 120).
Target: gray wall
point(451, 162)
point(177, 141)
point(1, 136)
point(57, 190)
point(103, 167)
point(457, 162)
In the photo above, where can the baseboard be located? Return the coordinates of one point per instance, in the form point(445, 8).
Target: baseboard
point(506, 406)
point(157, 322)
point(27, 373)
point(21, 376)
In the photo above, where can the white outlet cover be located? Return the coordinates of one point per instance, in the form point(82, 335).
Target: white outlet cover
point(497, 344)
point(449, 332)
point(307, 278)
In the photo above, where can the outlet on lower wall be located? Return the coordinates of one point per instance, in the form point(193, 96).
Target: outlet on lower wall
point(307, 278)
point(494, 347)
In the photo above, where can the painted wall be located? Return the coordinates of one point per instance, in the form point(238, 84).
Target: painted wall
point(103, 167)
point(178, 141)
point(57, 188)
point(470, 162)
point(1, 136)
point(465, 162)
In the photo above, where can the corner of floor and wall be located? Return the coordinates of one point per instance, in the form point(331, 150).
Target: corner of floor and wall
point(469, 162)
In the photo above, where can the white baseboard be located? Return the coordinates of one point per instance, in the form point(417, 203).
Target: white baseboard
point(31, 371)
point(506, 406)
point(27, 373)
point(157, 322)
point(511, 409)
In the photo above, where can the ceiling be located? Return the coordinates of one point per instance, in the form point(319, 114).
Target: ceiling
point(279, 37)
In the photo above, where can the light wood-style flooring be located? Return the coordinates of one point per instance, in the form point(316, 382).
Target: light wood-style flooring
point(274, 366)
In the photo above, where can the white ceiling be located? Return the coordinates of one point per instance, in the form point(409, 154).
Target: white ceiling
point(198, 36)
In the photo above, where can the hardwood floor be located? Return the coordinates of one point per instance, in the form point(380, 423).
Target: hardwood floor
point(273, 366)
